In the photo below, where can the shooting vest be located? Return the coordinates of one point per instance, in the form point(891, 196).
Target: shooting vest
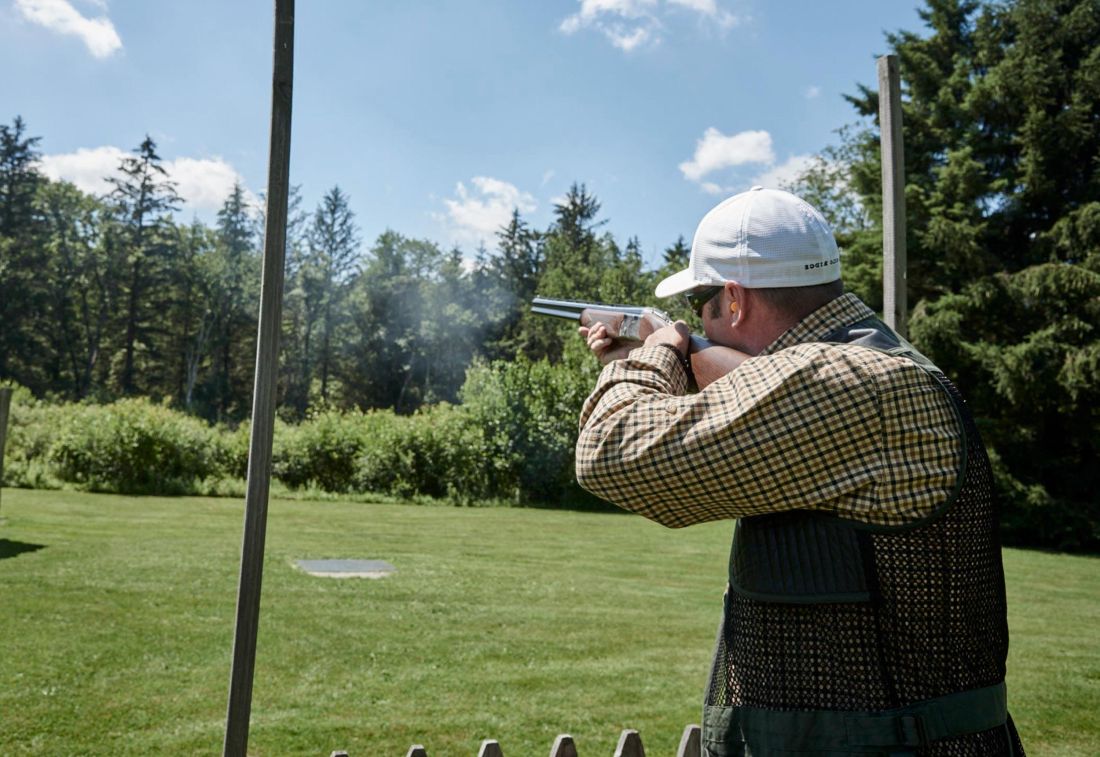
point(841, 638)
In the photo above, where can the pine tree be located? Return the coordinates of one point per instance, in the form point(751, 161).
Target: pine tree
point(1001, 116)
point(334, 247)
point(143, 197)
point(80, 284)
point(236, 303)
point(21, 257)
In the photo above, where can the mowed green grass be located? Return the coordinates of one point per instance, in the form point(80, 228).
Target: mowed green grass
point(116, 635)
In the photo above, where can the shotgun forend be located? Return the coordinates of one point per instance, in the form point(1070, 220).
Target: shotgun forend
point(627, 328)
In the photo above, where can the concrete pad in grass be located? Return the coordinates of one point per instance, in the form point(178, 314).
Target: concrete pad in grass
point(346, 568)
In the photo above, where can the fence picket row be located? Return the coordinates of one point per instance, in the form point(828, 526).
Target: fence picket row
point(630, 745)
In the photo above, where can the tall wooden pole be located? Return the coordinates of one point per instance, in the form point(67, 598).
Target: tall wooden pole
point(894, 296)
point(5, 405)
point(263, 397)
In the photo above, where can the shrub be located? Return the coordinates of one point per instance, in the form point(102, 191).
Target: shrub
point(438, 452)
point(527, 412)
point(133, 447)
point(32, 428)
point(321, 451)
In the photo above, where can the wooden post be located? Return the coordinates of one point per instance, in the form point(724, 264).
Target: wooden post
point(630, 744)
point(691, 743)
point(5, 406)
point(563, 746)
point(894, 298)
point(263, 395)
point(490, 748)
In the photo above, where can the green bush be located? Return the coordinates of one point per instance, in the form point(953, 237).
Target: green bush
point(321, 451)
point(133, 447)
point(32, 428)
point(232, 449)
point(513, 439)
point(527, 412)
point(438, 452)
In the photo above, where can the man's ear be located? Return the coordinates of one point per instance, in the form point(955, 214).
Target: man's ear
point(738, 304)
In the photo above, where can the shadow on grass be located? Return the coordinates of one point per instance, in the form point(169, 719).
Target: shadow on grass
point(16, 548)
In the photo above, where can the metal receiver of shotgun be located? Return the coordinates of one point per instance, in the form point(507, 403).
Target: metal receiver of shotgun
point(709, 361)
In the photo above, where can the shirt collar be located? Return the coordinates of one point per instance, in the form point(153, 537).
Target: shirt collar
point(843, 311)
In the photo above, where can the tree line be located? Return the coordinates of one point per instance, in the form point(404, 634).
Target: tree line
point(106, 297)
point(112, 296)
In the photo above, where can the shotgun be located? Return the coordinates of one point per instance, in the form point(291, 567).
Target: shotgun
point(709, 361)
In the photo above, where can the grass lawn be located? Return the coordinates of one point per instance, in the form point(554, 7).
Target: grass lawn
point(116, 621)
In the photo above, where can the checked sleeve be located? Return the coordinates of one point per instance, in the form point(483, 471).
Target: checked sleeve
point(805, 428)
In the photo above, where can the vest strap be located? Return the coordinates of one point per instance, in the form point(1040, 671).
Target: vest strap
point(821, 731)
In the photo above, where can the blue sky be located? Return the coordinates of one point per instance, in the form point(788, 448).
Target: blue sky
point(437, 117)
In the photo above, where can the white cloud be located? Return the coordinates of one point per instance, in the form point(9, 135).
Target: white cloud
point(97, 34)
point(710, 10)
point(784, 174)
point(628, 39)
point(630, 24)
point(813, 91)
point(202, 183)
point(626, 23)
point(87, 168)
point(715, 151)
point(475, 216)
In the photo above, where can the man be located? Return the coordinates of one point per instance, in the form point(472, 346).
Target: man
point(865, 609)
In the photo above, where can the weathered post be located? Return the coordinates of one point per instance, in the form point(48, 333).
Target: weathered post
point(263, 394)
point(630, 744)
point(691, 742)
point(5, 406)
point(490, 748)
point(894, 262)
point(563, 746)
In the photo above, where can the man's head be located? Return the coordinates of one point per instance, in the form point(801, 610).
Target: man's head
point(768, 258)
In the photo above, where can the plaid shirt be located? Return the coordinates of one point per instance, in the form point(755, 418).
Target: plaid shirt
point(804, 425)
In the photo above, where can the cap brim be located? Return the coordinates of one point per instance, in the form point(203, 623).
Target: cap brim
point(677, 283)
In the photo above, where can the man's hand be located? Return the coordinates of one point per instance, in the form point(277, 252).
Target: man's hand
point(677, 335)
point(603, 346)
point(606, 349)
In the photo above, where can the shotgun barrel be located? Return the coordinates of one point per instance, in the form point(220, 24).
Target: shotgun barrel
point(623, 321)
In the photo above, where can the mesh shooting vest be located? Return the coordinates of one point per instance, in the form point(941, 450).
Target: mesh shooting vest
point(840, 637)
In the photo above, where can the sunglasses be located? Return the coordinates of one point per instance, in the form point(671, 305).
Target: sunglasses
point(697, 298)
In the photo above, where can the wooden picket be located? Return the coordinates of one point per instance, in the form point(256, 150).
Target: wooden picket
point(630, 745)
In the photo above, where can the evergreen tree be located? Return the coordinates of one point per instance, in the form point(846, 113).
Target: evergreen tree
point(195, 314)
point(576, 260)
point(509, 279)
point(19, 176)
point(79, 280)
point(235, 295)
point(21, 255)
point(334, 247)
point(1001, 118)
point(143, 197)
point(386, 313)
point(294, 342)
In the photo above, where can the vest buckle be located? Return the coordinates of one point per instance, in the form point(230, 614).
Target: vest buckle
point(911, 730)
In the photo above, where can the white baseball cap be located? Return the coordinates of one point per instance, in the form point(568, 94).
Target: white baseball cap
point(761, 239)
